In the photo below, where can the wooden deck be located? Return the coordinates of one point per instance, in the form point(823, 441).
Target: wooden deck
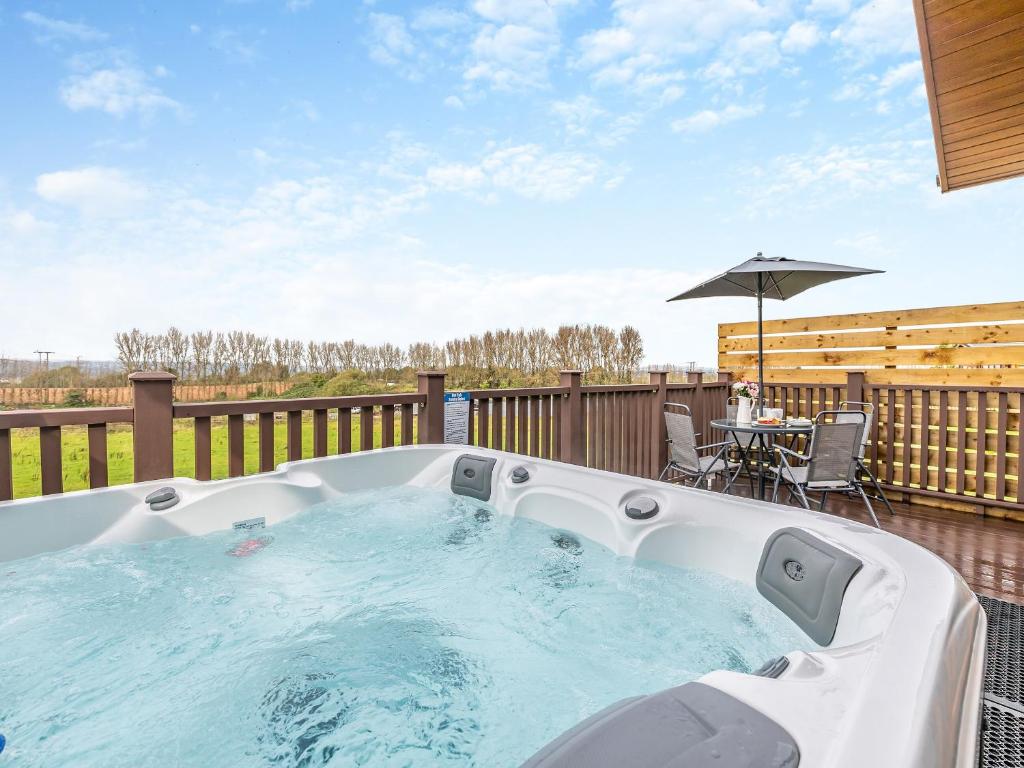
point(988, 551)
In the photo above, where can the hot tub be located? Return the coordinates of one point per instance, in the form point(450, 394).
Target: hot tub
point(884, 667)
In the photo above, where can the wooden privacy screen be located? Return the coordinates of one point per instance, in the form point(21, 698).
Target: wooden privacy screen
point(967, 345)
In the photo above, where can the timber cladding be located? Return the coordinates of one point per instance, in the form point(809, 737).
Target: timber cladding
point(977, 345)
point(973, 56)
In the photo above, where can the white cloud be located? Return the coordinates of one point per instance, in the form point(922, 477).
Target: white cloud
point(456, 177)
point(901, 74)
point(877, 28)
point(651, 36)
point(583, 118)
point(531, 13)
point(93, 191)
point(391, 44)
point(510, 57)
point(529, 172)
point(21, 223)
point(709, 119)
point(298, 5)
point(745, 55)
point(49, 29)
point(801, 37)
point(235, 45)
point(880, 87)
point(515, 45)
point(578, 114)
point(117, 90)
point(828, 7)
point(454, 102)
point(526, 170)
point(838, 173)
point(439, 19)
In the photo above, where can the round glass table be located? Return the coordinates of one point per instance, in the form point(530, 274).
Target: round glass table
point(746, 434)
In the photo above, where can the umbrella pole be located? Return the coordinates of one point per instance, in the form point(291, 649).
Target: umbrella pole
point(760, 345)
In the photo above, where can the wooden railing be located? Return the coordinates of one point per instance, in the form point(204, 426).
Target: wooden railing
point(49, 424)
point(953, 445)
point(389, 411)
point(957, 446)
point(614, 427)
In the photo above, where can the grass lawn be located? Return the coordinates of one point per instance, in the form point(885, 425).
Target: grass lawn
point(120, 462)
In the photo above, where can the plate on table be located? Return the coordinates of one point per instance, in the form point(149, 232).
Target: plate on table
point(799, 422)
point(768, 421)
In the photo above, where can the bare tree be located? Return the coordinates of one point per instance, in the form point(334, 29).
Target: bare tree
point(131, 349)
point(631, 352)
point(177, 351)
point(201, 341)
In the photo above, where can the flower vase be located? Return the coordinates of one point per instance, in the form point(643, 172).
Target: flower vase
point(743, 411)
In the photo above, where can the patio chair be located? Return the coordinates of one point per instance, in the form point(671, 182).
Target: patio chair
point(852, 407)
point(684, 455)
point(830, 464)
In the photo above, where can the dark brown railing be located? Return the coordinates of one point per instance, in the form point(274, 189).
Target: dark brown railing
point(49, 424)
point(613, 427)
point(958, 446)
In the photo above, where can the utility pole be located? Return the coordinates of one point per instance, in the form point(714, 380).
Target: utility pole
point(42, 352)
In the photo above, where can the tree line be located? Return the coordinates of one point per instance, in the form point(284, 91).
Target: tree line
point(496, 358)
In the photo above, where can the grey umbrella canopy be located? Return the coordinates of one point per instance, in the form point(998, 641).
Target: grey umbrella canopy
point(775, 278)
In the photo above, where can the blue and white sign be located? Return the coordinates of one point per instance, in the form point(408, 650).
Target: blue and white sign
point(456, 417)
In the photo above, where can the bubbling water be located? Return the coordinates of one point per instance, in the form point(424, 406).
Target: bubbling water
point(399, 627)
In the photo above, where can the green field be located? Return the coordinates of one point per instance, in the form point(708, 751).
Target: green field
point(120, 462)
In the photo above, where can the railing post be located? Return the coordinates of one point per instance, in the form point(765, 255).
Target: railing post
point(855, 387)
point(153, 436)
point(431, 415)
point(697, 379)
point(573, 433)
point(659, 450)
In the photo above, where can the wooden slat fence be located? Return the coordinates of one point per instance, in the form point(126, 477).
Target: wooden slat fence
point(115, 396)
point(946, 385)
point(967, 345)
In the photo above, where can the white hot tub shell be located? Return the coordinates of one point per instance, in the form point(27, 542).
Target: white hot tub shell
point(898, 685)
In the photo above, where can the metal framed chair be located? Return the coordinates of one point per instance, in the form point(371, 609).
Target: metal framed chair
point(851, 407)
point(684, 455)
point(830, 464)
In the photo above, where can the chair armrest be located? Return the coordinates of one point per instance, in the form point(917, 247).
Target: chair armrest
point(794, 454)
point(714, 445)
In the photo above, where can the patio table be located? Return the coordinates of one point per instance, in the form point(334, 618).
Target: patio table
point(764, 435)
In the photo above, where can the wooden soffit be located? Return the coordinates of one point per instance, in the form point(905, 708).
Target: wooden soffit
point(973, 56)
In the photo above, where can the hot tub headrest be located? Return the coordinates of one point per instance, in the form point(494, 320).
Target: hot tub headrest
point(692, 726)
point(471, 476)
point(806, 579)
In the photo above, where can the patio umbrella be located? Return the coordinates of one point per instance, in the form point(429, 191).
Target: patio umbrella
point(776, 278)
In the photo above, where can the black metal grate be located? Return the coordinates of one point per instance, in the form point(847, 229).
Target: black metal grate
point(1003, 674)
point(1002, 741)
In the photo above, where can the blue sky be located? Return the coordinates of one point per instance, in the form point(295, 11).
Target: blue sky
point(398, 171)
